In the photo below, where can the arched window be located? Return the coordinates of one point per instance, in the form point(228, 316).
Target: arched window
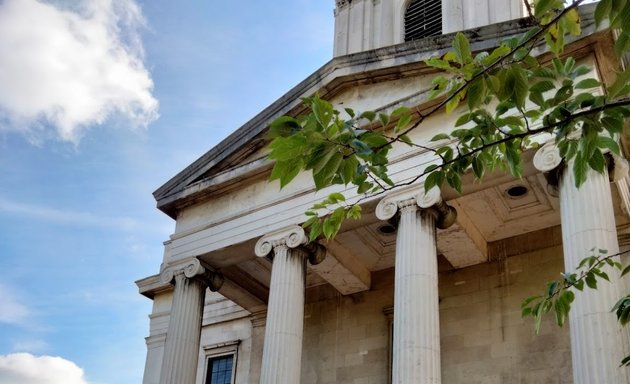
point(423, 18)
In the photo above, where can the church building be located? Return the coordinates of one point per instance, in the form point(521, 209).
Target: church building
point(425, 288)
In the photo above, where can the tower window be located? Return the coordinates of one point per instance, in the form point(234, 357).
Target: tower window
point(423, 18)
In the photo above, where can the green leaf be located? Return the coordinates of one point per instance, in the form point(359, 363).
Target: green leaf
point(354, 212)
point(625, 271)
point(591, 281)
point(369, 115)
point(477, 166)
point(361, 148)
point(463, 119)
point(287, 148)
point(587, 83)
point(364, 187)
point(323, 111)
point(315, 231)
point(462, 48)
point(621, 86)
point(348, 169)
point(543, 86)
point(325, 175)
point(521, 87)
point(283, 126)
point(455, 181)
point(286, 171)
point(435, 179)
point(336, 197)
point(543, 6)
point(438, 63)
point(476, 93)
point(440, 136)
point(400, 111)
point(561, 312)
point(623, 43)
point(579, 170)
point(402, 122)
point(529, 300)
point(454, 101)
point(312, 220)
point(597, 161)
point(384, 119)
point(551, 288)
point(602, 11)
point(607, 142)
point(405, 139)
point(374, 140)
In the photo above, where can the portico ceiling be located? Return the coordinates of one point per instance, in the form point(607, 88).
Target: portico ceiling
point(485, 216)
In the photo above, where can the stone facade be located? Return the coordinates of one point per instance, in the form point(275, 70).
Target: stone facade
point(426, 287)
point(347, 339)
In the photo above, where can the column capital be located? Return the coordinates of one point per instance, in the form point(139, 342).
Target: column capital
point(549, 161)
point(292, 237)
point(415, 195)
point(547, 158)
point(342, 3)
point(192, 268)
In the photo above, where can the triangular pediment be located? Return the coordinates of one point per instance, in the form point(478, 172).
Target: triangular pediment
point(371, 80)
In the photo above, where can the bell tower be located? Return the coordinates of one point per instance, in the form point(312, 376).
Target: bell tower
point(363, 25)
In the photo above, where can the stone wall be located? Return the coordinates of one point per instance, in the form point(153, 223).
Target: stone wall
point(484, 339)
point(347, 338)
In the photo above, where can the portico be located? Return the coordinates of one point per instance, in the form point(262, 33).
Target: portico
point(425, 288)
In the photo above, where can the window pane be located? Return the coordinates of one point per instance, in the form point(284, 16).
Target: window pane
point(220, 370)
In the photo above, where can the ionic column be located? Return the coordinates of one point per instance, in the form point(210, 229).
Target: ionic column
point(282, 349)
point(416, 346)
point(588, 221)
point(181, 351)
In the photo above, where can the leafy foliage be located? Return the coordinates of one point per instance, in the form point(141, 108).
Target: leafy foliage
point(507, 101)
point(559, 294)
point(507, 98)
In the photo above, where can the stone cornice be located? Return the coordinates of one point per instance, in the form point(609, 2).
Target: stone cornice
point(152, 285)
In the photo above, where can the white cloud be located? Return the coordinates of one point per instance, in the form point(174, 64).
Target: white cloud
point(13, 312)
point(71, 67)
point(25, 368)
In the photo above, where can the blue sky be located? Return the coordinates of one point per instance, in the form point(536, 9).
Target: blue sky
point(82, 148)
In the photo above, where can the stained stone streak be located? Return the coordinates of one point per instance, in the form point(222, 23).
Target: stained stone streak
point(588, 221)
point(282, 351)
point(181, 351)
point(416, 356)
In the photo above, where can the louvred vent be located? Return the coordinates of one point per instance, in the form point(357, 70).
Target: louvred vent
point(423, 18)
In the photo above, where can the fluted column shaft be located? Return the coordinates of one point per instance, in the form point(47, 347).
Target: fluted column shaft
point(282, 350)
point(588, 221)
point(181, 352)
point(416, 354)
